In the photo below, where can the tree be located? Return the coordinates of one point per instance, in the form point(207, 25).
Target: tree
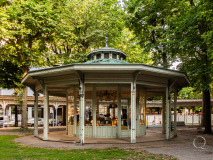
point(186, 33)
point(189, 93)
point(83, 27)
point(148, 20)
point(25, 28)
point(191, 31)
point(10, 74)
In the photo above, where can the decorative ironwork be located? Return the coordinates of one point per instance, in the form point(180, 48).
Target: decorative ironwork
point(107, 95)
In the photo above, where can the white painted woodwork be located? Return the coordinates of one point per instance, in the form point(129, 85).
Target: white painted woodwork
point(163, 115)
point(117, 56)
point(53, 109)
point(144, 103)
point(110, 56)
point(133, 112)
point(141, 130)
point(67, 105)
point(56, 115)
point(175, 113)
point(88, 130)
point(46, 111)
point(36, 113)
point(3, 107)
point(119, 112)
point(94, 111)
point(105, 131)
point(137, 112)
point(82, 108)
point(75, 110)
point(168, 115)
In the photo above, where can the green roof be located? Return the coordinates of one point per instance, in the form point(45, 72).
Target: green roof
point(106, 50)
point(107, 61)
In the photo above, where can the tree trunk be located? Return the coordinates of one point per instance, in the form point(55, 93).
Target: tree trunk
point(203, 111)
point(16, 116)
point(24, 119)
point(207, 111)
point(165, 63)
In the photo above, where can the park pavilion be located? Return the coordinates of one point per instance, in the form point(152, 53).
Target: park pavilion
point(106, 96)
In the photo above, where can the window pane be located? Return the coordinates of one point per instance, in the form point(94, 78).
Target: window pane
point(114, 56)
point(106, 55)
point(98, 56)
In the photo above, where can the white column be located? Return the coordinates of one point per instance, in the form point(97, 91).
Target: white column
point(144, 98)
point(75, 111)
point(119, 112)
point(102, 56)
point(117, 56)
point(175, 113)
point(163, 115)
point(30, 110)
point(4, 107)
point(36, 113)
point(53, 109)
point(168, 115)
point(82, 104)
point(138, 113)
point(46, 111)
point(7, 113)
point(56, 115)
point(10, 112)
point(94, 111)
point(133, 112)
point(128, 115)
point(48, 114)
point(67, 104)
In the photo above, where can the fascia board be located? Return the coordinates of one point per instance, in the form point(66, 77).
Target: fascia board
point(128, 67)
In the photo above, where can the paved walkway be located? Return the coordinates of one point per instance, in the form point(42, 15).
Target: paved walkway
point(181, 147)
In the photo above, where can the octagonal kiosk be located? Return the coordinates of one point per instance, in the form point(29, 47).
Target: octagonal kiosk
point(106, 96)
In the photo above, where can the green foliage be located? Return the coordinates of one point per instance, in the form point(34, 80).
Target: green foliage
point(176, 30)
point(25, 27)
point(83, 26)
point(189, 35)
point(148, 20)
point(10, 74)
point(129, 45)
point(44, 33)
point(10, 150)
point(189, 93)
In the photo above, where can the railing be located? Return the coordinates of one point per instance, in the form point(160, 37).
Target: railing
point(188, 119)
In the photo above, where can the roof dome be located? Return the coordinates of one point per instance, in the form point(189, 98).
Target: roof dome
point(106, 55)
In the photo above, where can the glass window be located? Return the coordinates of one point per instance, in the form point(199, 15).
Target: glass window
point(88, 115)
point(106, 55)
point(114, 56)
point(70, 111)
point(107, 114)
point(124, 117)
point(142, 110)
point(98, 56)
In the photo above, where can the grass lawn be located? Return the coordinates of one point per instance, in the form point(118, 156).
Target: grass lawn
point(11, 150)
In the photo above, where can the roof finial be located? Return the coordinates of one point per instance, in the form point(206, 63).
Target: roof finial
point(106, 40)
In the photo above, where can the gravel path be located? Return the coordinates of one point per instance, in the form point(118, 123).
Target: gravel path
point(181, 147)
